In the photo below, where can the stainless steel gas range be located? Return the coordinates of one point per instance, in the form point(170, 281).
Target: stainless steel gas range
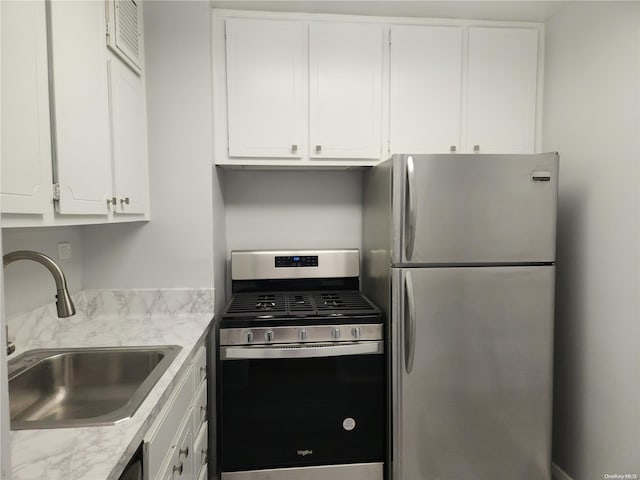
point(301, 370)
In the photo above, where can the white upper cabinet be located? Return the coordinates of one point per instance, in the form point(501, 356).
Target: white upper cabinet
point(129, 138)
point(74, 140)
point(265, 89)
point(26, 143)
point(307, 90)
point(345, 81)
point(502, 90)
point(426, 88)
point(82, 150)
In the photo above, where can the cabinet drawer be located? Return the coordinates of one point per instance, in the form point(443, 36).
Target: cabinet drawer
point(199, 367)
point(200, 406)
point(203, 473)
point(200, 448)
point(179, 463)
point(157, 441)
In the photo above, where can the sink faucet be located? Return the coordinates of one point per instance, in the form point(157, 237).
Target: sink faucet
point(63, 299)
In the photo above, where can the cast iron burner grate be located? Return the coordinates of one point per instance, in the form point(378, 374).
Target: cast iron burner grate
point(299, 304)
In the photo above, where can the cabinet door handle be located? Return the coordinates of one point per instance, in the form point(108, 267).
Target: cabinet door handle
point(452, 148)
point(112, 201)
point(184, 452)
point(203, 373)
point(294, 148)
point(476, 148)
point(179, 468)
point(318, 148)
point(124, 201)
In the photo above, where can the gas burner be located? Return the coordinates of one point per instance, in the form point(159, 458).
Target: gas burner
point(265, 305)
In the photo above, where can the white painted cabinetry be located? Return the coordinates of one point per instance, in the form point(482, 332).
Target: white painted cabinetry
point(299, 92)
point(304, 90)
point(464, 89)
point(426, 88)
point(176, 444)
point(74, 143)
point(265, 88)
point(26, 143)
point(82, 150)
point(345, 81)
point(128, 138)
point(502, 90)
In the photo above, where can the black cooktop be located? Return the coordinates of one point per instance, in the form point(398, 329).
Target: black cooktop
point(308, 305)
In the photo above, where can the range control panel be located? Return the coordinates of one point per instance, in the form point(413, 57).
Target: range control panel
point(297, 261)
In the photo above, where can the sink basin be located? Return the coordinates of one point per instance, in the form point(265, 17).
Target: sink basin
point(80, 387)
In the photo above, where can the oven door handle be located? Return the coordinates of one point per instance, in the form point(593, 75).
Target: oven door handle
point(300, 350)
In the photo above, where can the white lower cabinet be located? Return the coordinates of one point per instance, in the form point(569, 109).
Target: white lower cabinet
point(200, 449)
point(175, 447)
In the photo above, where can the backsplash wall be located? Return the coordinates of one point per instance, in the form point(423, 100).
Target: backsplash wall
point(293, 209)
point(29, 285)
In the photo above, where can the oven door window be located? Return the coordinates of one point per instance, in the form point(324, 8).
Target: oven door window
point(299, 412)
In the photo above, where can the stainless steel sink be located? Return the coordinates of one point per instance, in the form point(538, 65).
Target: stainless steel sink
point(80, 387)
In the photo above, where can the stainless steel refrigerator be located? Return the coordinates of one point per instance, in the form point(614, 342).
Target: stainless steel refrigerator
point(459, 251)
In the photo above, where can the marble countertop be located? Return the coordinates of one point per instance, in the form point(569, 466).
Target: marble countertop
point(106, 318)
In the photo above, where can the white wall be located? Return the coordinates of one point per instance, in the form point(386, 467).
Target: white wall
point(29, 285)
point(176, 248)
point(293, 209)
point(592, 117)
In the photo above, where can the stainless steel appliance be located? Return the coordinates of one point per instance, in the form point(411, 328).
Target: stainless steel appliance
point(301, 370)
point(459, 252)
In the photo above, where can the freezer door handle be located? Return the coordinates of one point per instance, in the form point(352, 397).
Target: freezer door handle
point(409, 323)
point(411, 211)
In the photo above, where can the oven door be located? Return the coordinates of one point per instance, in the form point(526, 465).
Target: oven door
point(301, 405)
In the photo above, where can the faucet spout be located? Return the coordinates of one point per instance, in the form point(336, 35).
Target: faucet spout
point(63, 299)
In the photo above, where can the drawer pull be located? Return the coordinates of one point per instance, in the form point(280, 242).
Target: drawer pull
point(203, 372)
point(178, 469)
point(204, 456)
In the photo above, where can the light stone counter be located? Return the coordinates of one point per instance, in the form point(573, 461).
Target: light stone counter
point(106, 318)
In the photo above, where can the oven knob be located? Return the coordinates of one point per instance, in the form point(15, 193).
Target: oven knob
point(335, 333)
point(249, 337)
point(268, 336)
point(302, 334)
point(355, 331)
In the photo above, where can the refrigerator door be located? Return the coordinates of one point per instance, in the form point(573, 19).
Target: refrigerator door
point(463, 209)
point(472, 373)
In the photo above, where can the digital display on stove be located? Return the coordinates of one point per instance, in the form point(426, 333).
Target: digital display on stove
point(296, 261)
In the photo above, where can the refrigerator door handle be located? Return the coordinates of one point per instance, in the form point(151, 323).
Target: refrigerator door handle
point(409, 323)
point(411, 212)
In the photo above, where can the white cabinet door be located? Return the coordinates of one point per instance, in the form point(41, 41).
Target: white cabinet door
point(501, 91)
point(426, 86)
point(129, 139)
point(26, 143)
point(345, 80)
point(81, 128)
point(265, 91)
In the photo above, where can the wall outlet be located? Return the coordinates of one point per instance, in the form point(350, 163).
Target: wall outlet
point(64, 250)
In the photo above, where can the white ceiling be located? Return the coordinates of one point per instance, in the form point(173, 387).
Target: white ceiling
point(515, 10)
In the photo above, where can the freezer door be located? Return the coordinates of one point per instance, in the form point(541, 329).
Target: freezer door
point(467, 209)
point(472, 373)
